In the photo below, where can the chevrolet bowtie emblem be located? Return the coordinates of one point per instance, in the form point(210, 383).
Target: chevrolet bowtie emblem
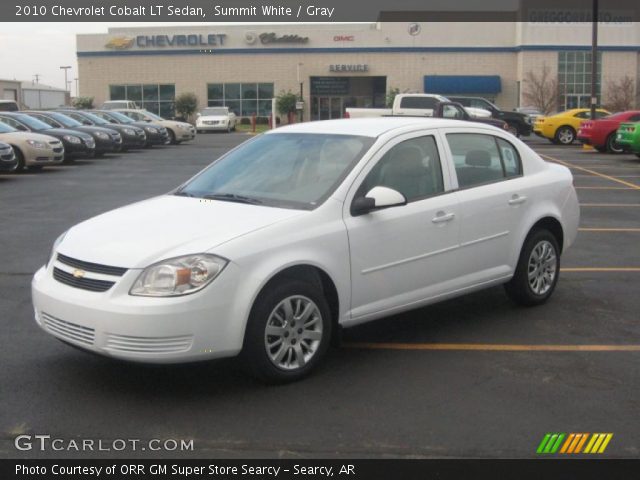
point(78, 273)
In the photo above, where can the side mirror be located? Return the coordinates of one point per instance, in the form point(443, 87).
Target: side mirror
point(377, 198)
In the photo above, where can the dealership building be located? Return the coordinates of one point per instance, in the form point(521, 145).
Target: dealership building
point(336, 66)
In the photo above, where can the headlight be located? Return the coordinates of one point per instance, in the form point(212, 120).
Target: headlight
point(178, 276)
point(151, 129)
point(71, 139)
point(55, 247)
point(37, 144)
point(102, 135)
point(129, 131)
point(184, 126)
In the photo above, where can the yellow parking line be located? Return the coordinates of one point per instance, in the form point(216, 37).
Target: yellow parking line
point(610, 205)
point(599, 269)
point(613, 179)
point(589, 229)
point(492, 347)
point(603, 188)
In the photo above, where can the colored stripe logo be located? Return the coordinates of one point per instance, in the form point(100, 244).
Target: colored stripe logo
point(573, 443)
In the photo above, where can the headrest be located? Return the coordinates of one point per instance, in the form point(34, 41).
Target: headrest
point(478, 158)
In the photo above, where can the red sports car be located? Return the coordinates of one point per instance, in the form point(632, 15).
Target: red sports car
point(601, 133)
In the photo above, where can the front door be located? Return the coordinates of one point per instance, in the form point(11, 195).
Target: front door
point(327, 108)
point(404, 254)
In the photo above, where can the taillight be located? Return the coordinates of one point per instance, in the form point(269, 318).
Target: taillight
point(346, 115)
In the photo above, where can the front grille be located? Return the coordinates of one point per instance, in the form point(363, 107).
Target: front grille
point(42, 159)
point(57, 150)
point(90, 284)
point(91, 267)
point(68, 330)
point(124, 343)
point(54, 142)
point(90, 143)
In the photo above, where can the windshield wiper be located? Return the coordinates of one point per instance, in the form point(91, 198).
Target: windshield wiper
point(232, 197)
point(182, 193)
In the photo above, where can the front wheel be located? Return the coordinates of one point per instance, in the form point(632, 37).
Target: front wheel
point(288, 332)
point(172, 138)
point(537, 271)
point(565, 135)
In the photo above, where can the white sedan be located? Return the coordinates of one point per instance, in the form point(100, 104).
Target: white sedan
point(306, 229)
point(216, 119)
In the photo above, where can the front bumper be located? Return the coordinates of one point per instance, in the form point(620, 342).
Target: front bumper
point(142, 329)
point(84, 149)
point(43, 156)
point(160, 138)
point(212, 127)
point(185, 135)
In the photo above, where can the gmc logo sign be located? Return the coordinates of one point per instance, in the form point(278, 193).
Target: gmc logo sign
point(343, 38)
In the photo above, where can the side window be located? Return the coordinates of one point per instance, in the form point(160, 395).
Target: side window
point(418, 102)
point(476, 103)
point(599, 114)
point(412, 168)
point(476, 158)
point(450, 111)
point(11, 122)
point(582, 115)
point(634, 118)
point(510, 158)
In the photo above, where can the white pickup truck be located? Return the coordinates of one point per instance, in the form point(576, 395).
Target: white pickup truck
point(412, 105)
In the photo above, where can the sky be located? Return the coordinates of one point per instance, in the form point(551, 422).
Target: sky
point(27, 49)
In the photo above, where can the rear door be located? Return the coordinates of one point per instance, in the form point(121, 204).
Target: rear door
point(493, 199)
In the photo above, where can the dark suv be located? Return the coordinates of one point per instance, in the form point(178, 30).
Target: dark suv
point(518, 123)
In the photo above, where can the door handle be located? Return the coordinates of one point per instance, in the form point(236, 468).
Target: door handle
point(517, 199)
point(442, 217)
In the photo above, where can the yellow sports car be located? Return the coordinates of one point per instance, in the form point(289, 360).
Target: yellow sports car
point(561, 128)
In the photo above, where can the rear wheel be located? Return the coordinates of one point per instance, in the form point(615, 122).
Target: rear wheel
point(565, 135)
point(612, 145)
point(537, 271)
point(288, 332)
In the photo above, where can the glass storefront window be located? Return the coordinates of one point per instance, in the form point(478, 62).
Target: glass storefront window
point(244, 99)
point(158, 99)
point(574, 78)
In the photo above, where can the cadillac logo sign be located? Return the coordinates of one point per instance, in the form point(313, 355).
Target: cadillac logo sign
point(414, 29)
point(120, 43)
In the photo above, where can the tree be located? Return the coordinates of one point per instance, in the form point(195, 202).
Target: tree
point(620, 95)
point(186, 104)
point(541, 91)
point(286, 104)
point(84, 103)
point(391, 96)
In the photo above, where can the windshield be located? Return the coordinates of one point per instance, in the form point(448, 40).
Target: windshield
point(64, 120)
point(291, 170)
point(4, 128)
point(32, 123)
point(118, 116)
point(153, 116)
point(215, 111)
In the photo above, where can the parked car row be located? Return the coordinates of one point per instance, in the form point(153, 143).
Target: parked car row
point(607, 132)
point(39, 138)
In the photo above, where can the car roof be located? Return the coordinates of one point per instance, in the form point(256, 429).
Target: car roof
point(372, 127)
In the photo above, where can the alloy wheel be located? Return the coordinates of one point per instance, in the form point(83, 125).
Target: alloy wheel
point(542, 266)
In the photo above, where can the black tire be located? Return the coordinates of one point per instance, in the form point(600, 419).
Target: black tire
point(519, 288)
point(172, 137)
point(601, 149)
point(612, 145)
point(35, 168)
point(565, 135)
point(638, 155)
point(20, 158)
point(255, 356)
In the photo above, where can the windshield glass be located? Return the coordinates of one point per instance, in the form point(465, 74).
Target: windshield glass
point(64, 120)
point(32, 123)
point(118, 116)
point(153, 116)
point(94, 118)
point(214, 111)
point(4, 128)
point(291, 170)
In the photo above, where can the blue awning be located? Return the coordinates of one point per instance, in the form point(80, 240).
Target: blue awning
point(462, 84)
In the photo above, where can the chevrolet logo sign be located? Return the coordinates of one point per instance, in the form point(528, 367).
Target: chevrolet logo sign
point(77, 273)
point(120, 43)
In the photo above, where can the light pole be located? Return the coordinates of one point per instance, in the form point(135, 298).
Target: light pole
point(65, 68)
point(76, 79)
point(300, 112)
point(594, 58)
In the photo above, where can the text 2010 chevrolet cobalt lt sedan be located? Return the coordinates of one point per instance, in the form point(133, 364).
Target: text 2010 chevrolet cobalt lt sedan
point(305, 229)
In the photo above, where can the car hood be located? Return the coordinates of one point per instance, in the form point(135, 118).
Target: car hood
point(143, 233)
point(67, 131)
point(213, 117)
point(174, 124)
point(20, 137)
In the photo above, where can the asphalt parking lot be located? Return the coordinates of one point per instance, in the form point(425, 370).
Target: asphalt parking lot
point(471, 377)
